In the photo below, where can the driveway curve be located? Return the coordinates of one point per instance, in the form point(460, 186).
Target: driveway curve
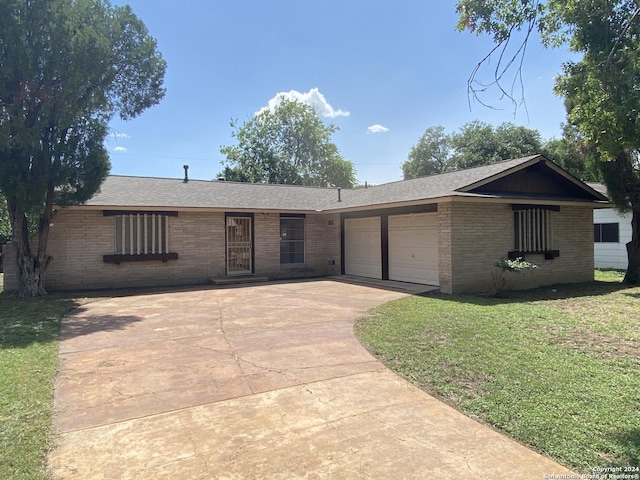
point(263, 381)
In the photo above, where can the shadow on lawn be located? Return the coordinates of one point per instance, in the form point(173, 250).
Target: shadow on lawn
point(24, 322)
point(548, 293)
point(631, 441)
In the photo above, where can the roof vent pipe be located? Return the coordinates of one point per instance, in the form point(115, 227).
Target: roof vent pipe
point(339, 196)
point(186, 173)
point(366, 185)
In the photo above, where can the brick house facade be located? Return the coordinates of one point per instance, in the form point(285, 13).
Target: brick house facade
point(466, 220)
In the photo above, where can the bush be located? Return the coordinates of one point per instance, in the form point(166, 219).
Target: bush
point(503, 266)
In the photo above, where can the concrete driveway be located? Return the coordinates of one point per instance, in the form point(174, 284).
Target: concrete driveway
point(264, 381)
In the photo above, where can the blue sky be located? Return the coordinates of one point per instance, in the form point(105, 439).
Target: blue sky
point(397, 64)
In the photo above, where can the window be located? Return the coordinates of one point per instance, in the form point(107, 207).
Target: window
point(533, 230)
point(606, 232)
point(141, 234)
point(291, 240)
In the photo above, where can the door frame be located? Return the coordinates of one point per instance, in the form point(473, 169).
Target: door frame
point(228, 215)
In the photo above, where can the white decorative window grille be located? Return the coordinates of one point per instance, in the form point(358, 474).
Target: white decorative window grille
point(141, 234)
point(533, 228)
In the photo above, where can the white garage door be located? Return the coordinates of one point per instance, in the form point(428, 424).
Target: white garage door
point(362, 247)
point(413, 248)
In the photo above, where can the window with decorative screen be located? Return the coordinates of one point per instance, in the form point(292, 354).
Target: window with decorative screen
point(141, 234)
point(533, 230)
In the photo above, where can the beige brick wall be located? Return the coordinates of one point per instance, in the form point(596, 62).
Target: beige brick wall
point(481, 234)
point(322, 246)
point(80, 238)
point(444, 247)
point(472, 238)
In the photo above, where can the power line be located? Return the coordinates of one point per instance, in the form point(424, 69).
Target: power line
point(201, 159)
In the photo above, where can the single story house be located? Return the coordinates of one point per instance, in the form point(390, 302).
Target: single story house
point(445, 230)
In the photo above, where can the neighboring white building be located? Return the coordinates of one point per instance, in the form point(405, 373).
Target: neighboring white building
point(611, 232)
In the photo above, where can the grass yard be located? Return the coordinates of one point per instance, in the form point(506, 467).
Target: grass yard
point(28, 362)
point(558, 370)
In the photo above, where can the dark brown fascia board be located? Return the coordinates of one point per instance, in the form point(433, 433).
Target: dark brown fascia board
point(113, 213)
point(527, 164)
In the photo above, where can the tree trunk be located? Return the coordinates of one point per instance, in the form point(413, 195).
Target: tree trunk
point(633, 251)
point(31, 268)
point(31, 275)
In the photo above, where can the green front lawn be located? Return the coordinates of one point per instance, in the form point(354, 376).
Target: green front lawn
point(28, 362)
point(557, 370)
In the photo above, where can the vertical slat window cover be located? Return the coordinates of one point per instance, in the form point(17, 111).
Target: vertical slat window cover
point(153, 233)
point(141, 234)
point(138, 249)
point(166, 233)
point(533, 230)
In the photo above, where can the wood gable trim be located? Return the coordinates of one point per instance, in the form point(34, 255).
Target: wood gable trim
point(500, 175)
point(554, 182)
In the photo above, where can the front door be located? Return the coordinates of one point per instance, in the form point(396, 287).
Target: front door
point(239, 246)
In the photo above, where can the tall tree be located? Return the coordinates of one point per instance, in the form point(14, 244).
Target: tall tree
point(574, 154)
point(601, 89)
point(431, 155)
point(68, 66)
point(475, 143)
point(289, 145)
point(5, 224)
point(478, 143)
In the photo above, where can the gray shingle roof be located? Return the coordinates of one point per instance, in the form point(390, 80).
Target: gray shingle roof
point(119, 191)
point(598, 187)
point(425, 188)
point(146, 192)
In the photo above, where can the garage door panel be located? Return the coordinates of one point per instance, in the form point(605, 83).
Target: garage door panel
point(362, 247)
point(413, 248)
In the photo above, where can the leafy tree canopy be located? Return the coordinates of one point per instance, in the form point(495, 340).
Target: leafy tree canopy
point(68, 66)
point(475, 143)
point(431, 155)
point(478, 143)
point(288, 145)
point(574, 154)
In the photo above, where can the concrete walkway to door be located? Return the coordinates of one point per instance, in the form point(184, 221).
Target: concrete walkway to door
point(263, 381)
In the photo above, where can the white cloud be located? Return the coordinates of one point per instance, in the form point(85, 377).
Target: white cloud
point(120, 149)
point(313, 98)
point(377, 129)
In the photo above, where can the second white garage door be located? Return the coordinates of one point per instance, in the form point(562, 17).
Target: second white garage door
point(413, 248)
point(362, 247)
